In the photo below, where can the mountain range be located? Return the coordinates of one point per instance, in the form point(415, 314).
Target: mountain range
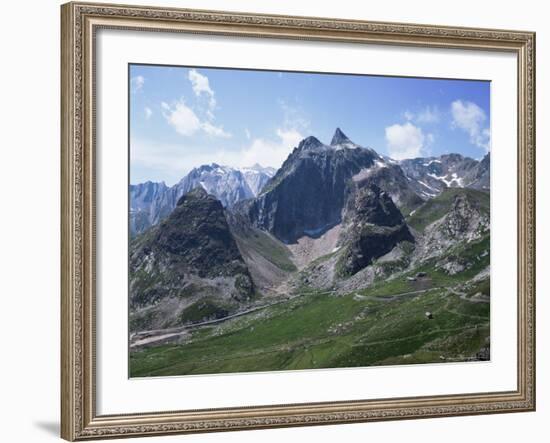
point(151, 202)
point(335, 217)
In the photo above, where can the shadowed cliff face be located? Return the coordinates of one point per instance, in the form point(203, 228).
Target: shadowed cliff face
point(308, 193)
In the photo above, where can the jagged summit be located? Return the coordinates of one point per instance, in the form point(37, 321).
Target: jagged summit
point(310, 142)
point(198, 193)
point(339, 141)
point(339, 138)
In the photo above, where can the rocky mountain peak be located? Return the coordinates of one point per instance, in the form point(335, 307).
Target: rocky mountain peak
point(196, 236)
point(198, 193)
point(339, 138)
point(452, 158)
point(310, 143)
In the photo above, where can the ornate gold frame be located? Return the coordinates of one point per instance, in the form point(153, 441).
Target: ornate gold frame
point(79, 22)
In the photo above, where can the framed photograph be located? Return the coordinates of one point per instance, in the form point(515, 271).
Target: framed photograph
point(282, 221)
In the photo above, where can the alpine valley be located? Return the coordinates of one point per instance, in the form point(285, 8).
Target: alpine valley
point(340, 258)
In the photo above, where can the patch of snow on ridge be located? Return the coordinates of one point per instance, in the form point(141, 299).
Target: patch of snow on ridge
point(444, 178)
point(428, 186)
point(345, 145)
point(366, 172)
point(431, 162)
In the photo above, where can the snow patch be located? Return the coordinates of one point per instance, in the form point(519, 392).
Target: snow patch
point(444, 179)
point(345, 145)
point(428, 186)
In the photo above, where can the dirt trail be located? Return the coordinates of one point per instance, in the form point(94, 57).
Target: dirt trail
point(473, 299)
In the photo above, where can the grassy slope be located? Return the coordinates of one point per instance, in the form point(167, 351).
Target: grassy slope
point(269, 248)
point(436, 208)
point(325, 331)
point(319, 331)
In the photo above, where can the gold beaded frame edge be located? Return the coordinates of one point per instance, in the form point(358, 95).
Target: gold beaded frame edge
point(79, 22)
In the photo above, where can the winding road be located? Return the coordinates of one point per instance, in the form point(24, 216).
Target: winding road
point(144, 338)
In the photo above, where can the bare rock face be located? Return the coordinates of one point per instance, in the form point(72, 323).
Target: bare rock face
point(149, 203)
point(373, 226)
point(391, 179)
point(307, 194)
point(480, 178)
point(466, 221)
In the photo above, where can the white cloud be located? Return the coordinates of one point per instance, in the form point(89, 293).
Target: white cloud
point(157, 161)
point(184, 120)
point(201, 86)
point(181, 118)
point(270, 152)
point(405, 141)
point(247, 133)
point(148, 112)
point(430, 114)
point(215, 131)
point(294, 117)
point(471, 118)
point(136, 83)
point(151, 160)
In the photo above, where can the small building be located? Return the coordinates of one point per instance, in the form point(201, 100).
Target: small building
point(411, 278)
point(421, 274)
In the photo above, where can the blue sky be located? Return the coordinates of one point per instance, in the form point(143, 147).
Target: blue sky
point(183, 117)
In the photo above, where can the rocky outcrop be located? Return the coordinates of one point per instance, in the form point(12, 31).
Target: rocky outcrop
point(373, 226)
point(391, 179)
point(466, 220)
point(190, 253)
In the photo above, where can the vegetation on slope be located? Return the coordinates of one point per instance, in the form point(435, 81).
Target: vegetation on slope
point(437, 207)
point(385, 324)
